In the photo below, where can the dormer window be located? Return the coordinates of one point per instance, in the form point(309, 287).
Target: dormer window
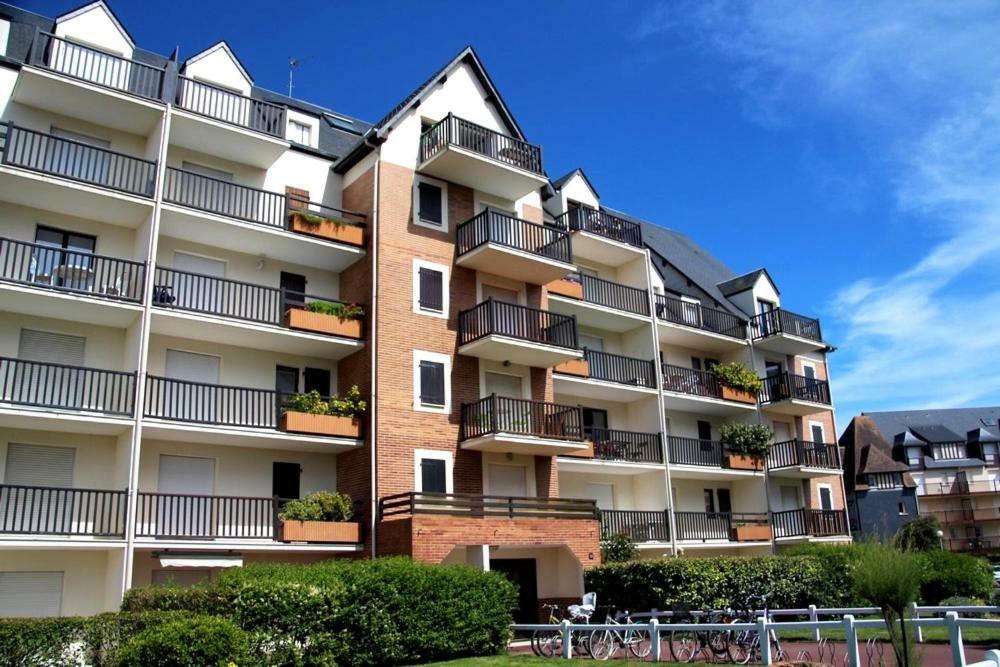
point(300, 133)
point(913, 456)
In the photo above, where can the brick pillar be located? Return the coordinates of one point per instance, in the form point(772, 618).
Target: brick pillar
point(546, 477)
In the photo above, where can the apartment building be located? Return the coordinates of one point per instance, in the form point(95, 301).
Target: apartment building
point(537, 366)
point(940, 463)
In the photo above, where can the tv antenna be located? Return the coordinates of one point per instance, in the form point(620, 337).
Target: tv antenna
point(293, 64)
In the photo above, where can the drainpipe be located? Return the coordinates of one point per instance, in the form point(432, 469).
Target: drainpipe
point(760, 420)
point(836, 442)
point(373, 343)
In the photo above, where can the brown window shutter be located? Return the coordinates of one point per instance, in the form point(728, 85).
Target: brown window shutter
point(297, 198)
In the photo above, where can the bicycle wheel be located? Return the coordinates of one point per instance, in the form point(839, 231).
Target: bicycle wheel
point(684, 645)
point(742, 648)
point(601, 644)
point(549, 643)
point(638, 643)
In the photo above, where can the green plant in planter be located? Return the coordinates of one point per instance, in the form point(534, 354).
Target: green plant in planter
point(315, 219)
point(737, 376)
point(618, 548)
point(342, 311)
point(747, 439)
point(351, 405)
point(310, 402)
point(319, 506)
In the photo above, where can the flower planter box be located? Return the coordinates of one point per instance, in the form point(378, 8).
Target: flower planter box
point(563, 287)
point(739, 395)
point(306, 320)
point(320, 531)
point(578, 367)
point(328, 229)
point(751, 533)
point(310, 424)
point(585, 453)
point(744, 462)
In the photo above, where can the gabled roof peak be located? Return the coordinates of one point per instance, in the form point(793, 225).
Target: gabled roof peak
point(224, 45)
point(746, 282)
point(561, 181)
point(83, 9)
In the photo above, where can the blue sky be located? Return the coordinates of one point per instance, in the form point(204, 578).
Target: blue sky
point(853, 148)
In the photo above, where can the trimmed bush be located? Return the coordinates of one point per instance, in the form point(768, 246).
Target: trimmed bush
point(40, 641)
point(946, 574)
point(919, 534)
point(196, 641)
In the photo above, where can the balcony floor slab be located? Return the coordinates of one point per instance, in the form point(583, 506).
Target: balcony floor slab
point(788, 344)
point(602, 390)
point(521, 444)
point(593, 315)
point(712, 472)
point(262, 545)
point(62, 421)
point(230, 142)
point(235, 436)
point(59, 542)
point(797, 407)
point(465, 167)
point(671, 333)
point(803, 472)
point(572, 464)
point(526, 353)
point(69, 306)
point(515, 264)
point(680, 402)
point(601, 249)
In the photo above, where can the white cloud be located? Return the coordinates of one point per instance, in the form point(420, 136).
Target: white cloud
point(921, 81)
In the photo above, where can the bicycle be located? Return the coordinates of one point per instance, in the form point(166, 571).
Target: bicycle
point(685, 645)
point(602, 644)
point(744, 646)
point(548, 643)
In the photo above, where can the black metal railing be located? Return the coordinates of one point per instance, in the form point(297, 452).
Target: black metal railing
point(69, 270)
point(601, 223)
point(803, 453)
point(186, 516)
point(77, 161)
point(45, 385)
point(637, 525)
point(467, 504)
point(499, 318)
point(498, 228)
point(697, 316)
point(818, 523)
point(714, 525)
point(613, 295)
point(620, 369)
point(452, 130)
point(695, 452)
point(201, 403)
point(630, 446)
point(781, 321)
point(45, 510)
point(230, 107)
point(790, 523)
point(500, 414)
point(788, 386)
point(95, 66)
point(691, 381)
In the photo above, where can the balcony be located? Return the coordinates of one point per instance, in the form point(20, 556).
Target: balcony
point(521, 426)
point(79, 81)
point(250, 218)
point(962, 487)
point(804, 459)
point(790, 394)
point(974, 545)
point(238, 128)
point(458, 151)
point(638, 525)
point(689, 324)
point(691, 390)
point(785, 332)
point(692, 458)
point(485, 507)
point(508, 332)
point(809, 523)
point(35, 169)
point(737, 527)
point(36, 511)
point(87, 287)
point(235, 309)
point(599, 303)
point(497, 243)
point(606, 376)
point(965, 515)
point(602, 237)
point(228, 415)
point(613, 451)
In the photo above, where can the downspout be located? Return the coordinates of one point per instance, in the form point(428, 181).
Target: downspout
point(760, 420)
point(840, 455)
point(373, 344)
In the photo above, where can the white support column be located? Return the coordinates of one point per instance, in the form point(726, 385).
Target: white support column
point(918, 631)
point(765, 640)
point(479, 556)
point(567, 640)
point(851, 637)
point(654, 639)
point(813, 616)
point(955, 639)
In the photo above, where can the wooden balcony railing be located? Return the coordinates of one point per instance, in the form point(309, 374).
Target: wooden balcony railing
point(781, 321)
point(76, 161)
point(697, 316)
point(41, 384)
point(695, 452)
point(230, 107)
point(498, 228)
point(65, 270)
point(628, 446)
point(455, 131)
point(43, 510)
point(499, 318)
point(471, 505)
point(788, 386)
point(601, 223)
point(792, 453)
point(714, 525)
point(637, 525)
point(500, 414)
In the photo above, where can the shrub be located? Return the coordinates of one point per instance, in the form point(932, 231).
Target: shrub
point(920, 534)
point(738, 376)
point(203, 599)
point(40, 641)
point(319, 506)
point(310, 402)
point(342, 311)
point(106, 634)
point(959, 601)
point(749, 439)
point(890, 580)
point(946, 574)
point(618, 549)
point(197, 641)
point(314, 219)
point(351, 405)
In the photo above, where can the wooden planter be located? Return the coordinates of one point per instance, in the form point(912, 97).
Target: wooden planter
point(563, 287)
point(751, 533)
point(578, 367)
point(306, 320)
point(744, 462)
point(320, 531)
point(310, 424)
point(739, 395)
point(585, 453)
point(328, 229)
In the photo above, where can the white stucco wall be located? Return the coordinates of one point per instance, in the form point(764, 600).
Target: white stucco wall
point(94, 26)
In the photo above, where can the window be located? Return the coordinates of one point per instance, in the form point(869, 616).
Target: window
point(30, 594)
point(704, 430)
point(432, 471)
point(431, 382)
point(594, 418)
point(913, 456)
point(299, 133)
point(68, 263)
point(816, 430)
point(589, 342)
point(825, 496)
point(430, 203)
point(709, 501)
point(902, 509)
point(884, 480)
point(430, 288)
point(990, 453)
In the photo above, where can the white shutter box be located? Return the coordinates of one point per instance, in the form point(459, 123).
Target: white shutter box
point(52, 347)
point(30, 594)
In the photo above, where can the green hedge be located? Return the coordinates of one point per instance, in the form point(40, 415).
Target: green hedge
point(195, 641)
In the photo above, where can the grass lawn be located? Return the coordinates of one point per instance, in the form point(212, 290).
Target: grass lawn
point(515, 660)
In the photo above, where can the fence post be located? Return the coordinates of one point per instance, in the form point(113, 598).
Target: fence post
point(654, 638)
point(992, 656)
point(851, 637)
point(765, 640)
point(955, 639)
point(813, 617)
point(915, 615)
point(567, 640)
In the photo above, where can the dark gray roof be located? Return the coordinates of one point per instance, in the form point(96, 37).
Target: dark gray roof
point(745, 282)
point(983, 434)
point(936, 433)
point(561, 181)
point(954, 420)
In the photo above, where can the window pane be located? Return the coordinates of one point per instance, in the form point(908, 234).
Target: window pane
point(432, 476)
point(431, 383)
point(430, 203)
point(431, 292)
point(825, 498)
point(817, 433)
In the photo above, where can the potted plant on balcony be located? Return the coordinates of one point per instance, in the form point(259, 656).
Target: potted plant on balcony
point(311, 414)
point(739, 383)
point(336, 319)
point(746, 445)
point(323, 516)
point(330, 227)
point(569, 285)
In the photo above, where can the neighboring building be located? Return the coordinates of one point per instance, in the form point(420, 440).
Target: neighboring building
point(941, 463)
point(156, 274)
